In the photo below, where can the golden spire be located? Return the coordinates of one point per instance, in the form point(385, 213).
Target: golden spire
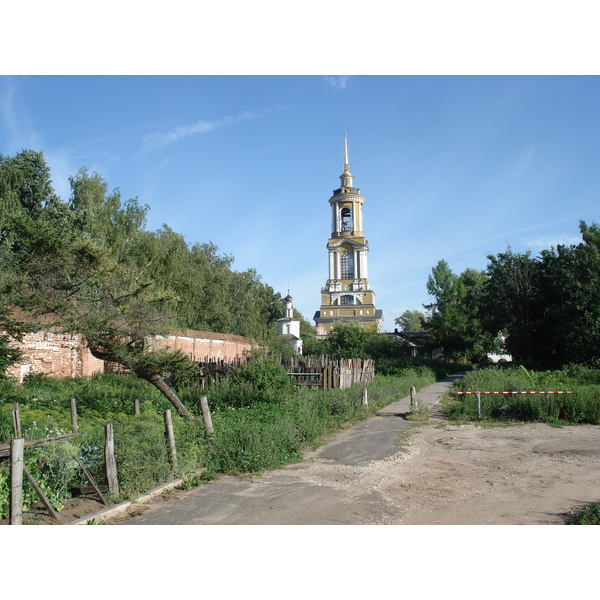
point(346, 177)
point(346, 163)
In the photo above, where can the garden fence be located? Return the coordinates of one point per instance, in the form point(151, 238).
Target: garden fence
point(15, 451)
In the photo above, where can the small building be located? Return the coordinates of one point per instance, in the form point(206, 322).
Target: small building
point(289, 328)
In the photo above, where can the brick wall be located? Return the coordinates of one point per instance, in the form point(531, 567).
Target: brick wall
point(204, 345)
point(56, 354)
point(66, 355)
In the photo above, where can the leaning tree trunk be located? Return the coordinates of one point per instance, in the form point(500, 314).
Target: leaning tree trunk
point(171, 396)
point(155, 380)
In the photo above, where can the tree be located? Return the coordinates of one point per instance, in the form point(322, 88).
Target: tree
point(569, 288)
point(11, 330)
point(25, 184)
point(455, 321)
point(411, 321)
point(350, 340)
point(447, 321)
point(108, 221)
point(118, 310)
point(477, 340)
point(52, 268)
point(512, 300)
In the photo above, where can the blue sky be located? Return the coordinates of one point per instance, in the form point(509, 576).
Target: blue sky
point(451, 167)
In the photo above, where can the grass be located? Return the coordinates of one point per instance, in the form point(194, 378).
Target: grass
point(256, 429)
point(582, 406)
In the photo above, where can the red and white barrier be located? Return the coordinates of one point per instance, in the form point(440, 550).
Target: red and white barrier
point(513, 393)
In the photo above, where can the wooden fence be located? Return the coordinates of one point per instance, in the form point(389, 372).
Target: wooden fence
point(304, 371)
point(310, 372)
point(323, 372)
point(15, 452)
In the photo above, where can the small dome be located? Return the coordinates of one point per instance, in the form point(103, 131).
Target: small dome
point(288, 298)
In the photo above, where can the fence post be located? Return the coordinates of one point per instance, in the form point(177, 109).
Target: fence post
point(365, 401)
point(16, 419)
point(136, 407)
point(170, 438)
point(17, 447)
point(109, 460)
point(73, 406)
point(479, 404)
point(43, 498)
point(413, 398)
point(208, 426)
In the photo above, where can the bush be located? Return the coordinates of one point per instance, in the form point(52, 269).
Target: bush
point(583, 406)
point(260, 382)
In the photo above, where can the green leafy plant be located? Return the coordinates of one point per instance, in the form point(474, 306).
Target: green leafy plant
point(589, 515)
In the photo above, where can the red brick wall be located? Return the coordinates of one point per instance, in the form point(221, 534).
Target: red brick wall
point(66, 355)
point(204, 345)
point(56, 354)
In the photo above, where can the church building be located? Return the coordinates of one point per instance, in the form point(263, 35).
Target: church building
point(347, 295)
point(288, 327)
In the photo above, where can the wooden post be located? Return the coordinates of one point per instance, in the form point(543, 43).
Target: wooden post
point(16, 419)
point(170, 438)
point(40, 494)
point(17, 447)
point(110, 463)
point(208, 426)
point(89, 477)
point(413, 398)
point(136, 407)
point(365, 401)
point(73, 406)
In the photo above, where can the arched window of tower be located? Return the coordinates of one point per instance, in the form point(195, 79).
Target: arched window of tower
point(347, 265)
point(346, 219)
point(347, 300)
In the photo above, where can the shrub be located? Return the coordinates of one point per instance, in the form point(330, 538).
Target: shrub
point(583, 406)
point(260, 382)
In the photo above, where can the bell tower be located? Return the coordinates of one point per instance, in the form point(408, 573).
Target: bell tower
point(347, 295)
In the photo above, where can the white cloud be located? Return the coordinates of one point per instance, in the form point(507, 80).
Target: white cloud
point(547, 242)
point(337, 82)
point(155, 140)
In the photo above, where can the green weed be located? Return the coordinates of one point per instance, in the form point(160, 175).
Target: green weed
point(589, 515)
point(582, 406)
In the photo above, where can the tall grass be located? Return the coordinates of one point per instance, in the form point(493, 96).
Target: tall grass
point(265, 436)
point(582, 406)
point(260, 424)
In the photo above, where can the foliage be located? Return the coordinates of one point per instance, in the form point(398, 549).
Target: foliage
point(11, 331)
point(588, 515)
point(259, 382)
point(411, 321)
point(512, 301)
point(265, 436)
point(569, 282)
point(4, 494)
point(454, 322)
point(583, 406)
point(271, 425)
point(92, 266)
point(546, 307)
point(351, 340)
point(439, 368)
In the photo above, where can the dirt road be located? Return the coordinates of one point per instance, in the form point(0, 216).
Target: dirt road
point(388, 471)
